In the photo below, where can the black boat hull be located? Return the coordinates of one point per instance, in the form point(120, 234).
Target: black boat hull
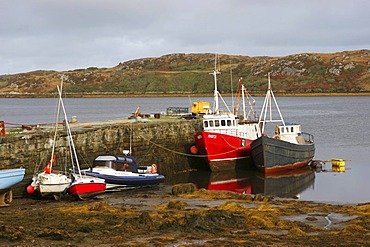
point(273, 155)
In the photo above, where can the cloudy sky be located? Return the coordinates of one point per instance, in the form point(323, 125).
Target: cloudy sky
point(70, 34)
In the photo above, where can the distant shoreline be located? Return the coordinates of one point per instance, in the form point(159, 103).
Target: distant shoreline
point(124, 95)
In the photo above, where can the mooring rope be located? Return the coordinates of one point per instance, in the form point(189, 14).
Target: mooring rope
point(185, 154)
point(223, 138)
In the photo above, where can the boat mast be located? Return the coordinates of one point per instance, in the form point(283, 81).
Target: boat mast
point(243, 98)
point(267, 106)
point(56, 127)
point(215, 72)
point(236, 109)
point(71, 143)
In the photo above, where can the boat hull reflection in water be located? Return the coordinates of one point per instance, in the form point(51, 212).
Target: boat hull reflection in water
point(289, 184)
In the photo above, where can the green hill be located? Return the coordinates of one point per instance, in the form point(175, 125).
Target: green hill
point(342, 72)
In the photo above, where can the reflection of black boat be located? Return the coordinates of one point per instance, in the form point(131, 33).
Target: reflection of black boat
point(288, 184)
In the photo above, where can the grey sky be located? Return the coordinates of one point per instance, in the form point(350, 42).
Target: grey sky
point(70, 34)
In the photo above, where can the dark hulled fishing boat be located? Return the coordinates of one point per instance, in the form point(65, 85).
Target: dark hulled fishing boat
point(288, 149)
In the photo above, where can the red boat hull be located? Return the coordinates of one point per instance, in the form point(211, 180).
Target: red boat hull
point(86, 190)
point(224, 152)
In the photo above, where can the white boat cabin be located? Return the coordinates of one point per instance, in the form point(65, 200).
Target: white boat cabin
point(289, 132)
point(229, 124)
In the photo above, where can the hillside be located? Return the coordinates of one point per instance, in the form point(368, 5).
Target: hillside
point(340, 72)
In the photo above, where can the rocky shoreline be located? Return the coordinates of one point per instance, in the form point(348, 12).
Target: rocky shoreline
point(130, 95)
point(182, 215)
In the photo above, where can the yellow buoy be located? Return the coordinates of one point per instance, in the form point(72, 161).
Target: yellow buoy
point(338, 168)
point(338, 162)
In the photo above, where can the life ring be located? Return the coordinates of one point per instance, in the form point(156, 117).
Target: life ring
point(153, 169)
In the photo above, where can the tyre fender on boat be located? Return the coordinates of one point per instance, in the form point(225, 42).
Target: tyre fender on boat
point(193, 149)
point(153, 169)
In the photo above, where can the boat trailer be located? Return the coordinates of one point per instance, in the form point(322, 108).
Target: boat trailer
point(6, 197)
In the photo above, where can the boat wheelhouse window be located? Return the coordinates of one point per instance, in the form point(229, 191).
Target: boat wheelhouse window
point(228, 122)
point(211, 124)
point(205, 124)
point(223, 122)
point(107, 163)
point(119, 166)
point(282, 130)
point(217, 123)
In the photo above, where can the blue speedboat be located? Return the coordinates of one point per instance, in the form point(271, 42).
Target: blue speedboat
point(123, 171)
point(9, 178)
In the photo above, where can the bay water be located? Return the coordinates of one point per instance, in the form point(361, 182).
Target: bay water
point(340, 126)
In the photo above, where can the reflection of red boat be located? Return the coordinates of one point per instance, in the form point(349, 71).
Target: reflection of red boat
point(226, 138)
point(240, 185)
point(232, 181)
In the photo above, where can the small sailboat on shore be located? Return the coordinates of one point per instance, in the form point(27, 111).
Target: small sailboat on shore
point(50, 182)
point(288, 149)
point(81, 187)
point(56, 183)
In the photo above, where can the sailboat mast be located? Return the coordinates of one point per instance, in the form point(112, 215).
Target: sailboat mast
point(56, 127)
point(69, 132)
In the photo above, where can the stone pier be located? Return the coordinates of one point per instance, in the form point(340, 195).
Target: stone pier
point(161, 141)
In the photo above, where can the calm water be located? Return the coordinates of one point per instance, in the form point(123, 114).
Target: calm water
point(339, 124)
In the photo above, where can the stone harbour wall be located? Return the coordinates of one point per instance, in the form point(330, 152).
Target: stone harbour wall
point(163, 142)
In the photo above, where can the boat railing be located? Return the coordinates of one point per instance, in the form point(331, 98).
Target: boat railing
point(308, 137)
point(232, 132)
